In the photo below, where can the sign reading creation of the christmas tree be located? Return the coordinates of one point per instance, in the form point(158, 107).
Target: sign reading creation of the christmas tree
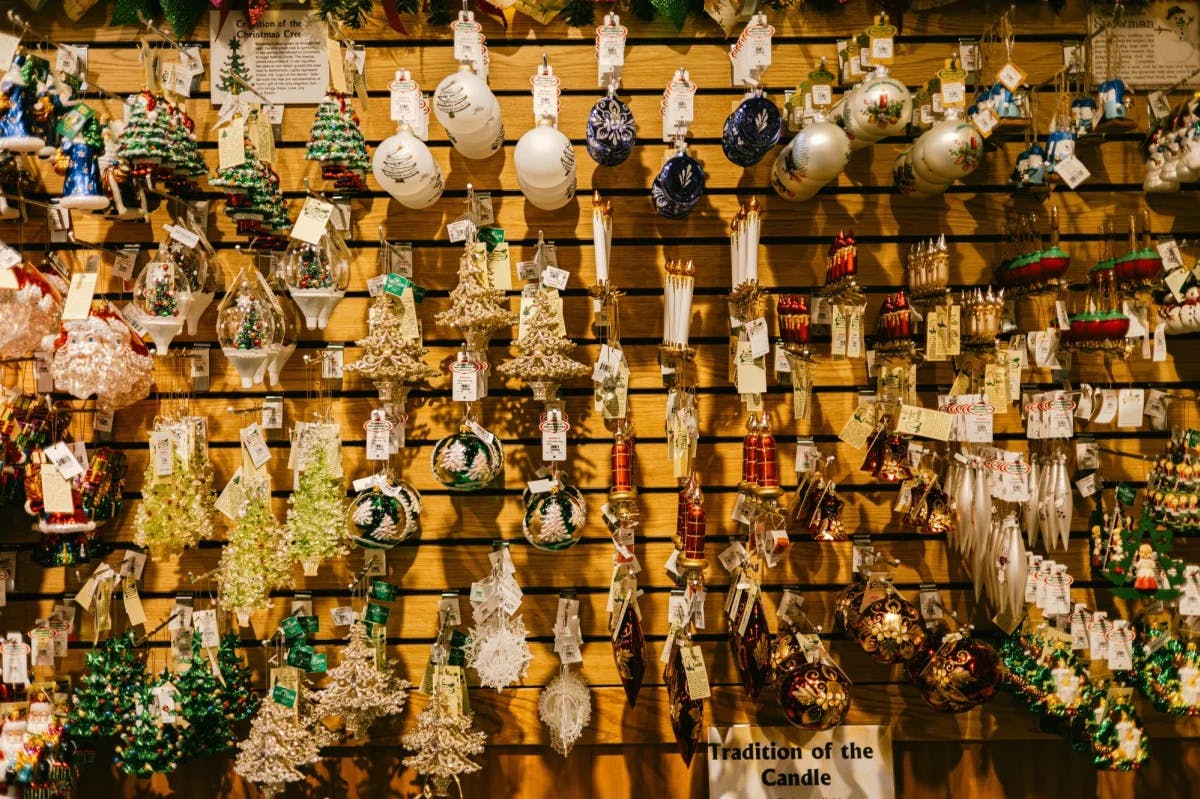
point(284, 57)
point(1154, 45)
point(849, 762)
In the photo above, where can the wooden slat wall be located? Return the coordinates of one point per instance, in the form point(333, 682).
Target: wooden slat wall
point(627, 751)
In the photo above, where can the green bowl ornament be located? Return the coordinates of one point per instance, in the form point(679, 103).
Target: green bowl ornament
point(466, 460)
point(554, 520)
point(385, 514)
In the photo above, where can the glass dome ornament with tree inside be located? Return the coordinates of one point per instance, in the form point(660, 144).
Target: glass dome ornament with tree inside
point(289, 321)
point(316, 264)
point(163, 295)
point(249, 325)
point(197, 262)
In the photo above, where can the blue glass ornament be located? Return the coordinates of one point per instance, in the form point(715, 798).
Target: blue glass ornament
point(81, 187)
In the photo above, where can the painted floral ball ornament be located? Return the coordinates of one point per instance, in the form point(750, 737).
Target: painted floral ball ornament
point(949, 151)
point(467, 460)
point(385, 514)
point(889, 630)
point(814, 696)
point(554, 519)
point(954, 672)
point(847, 607)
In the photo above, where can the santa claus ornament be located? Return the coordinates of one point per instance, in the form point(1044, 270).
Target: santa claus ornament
point(102, 357)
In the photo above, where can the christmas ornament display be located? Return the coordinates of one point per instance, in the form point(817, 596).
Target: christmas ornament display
point(101, 356)
point(405, 168)
point(27, 424)
point(105, 698)
point(361, 690)
point(337, 144)
point(31, 312)
point(477, 308)
point(889, 630)
point(197, 263)
point(316, 275)
point(151, 742)
point(879, 107)
point(250, 326)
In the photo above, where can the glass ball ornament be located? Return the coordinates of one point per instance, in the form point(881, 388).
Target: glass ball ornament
point(814, 696)
point(848, 605)
point(788, 182)
point(385, 514)
point(879, 107)
point(544, 158)
point(554, 519)
point(948, 151)
point(820, 151)
point(316, 276)
point(249, 325)
point(405, 168)
point(465, 461)
point(955, 675)
point(464, 104)
point(479, 144)
point(31, 313)
point(889, 630)
point(164, 296)
point(102, 356)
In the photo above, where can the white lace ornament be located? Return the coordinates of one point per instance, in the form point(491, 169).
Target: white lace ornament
point(565, 707)
point(499, 653)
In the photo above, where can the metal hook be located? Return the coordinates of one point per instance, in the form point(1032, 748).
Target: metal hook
point(149, 25)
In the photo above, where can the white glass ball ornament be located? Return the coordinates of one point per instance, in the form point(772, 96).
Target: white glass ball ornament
point(880, 106)
point(405, 168)
point(548, 199)
point(821, 150)
point(790, 184)
point(463, 103)
point(481, 144)
point(544, 158)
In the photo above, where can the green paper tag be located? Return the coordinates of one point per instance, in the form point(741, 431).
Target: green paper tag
point(383, 591)
point(396, 284)
point(292, 628)
point(284, 696)
point(74, 120)
point(317, 663)
point(310, 624)
point(377, 614)
point(490, 236)
point(1125, 494)
point(300, 657)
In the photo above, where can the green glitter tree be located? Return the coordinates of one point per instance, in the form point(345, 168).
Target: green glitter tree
point(203, 707)
point(233, 69)
point(149, 745)
point(105, 699)
point(250, 332)
point(238, 698)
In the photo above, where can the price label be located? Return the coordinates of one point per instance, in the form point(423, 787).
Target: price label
point(1072, 171)
point(1011, 76)
point(313, 221)
point(556, 278)
point(256, 447)
point(954, 93)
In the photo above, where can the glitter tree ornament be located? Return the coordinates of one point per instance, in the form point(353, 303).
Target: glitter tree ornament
point(391, 356)
point(150, 743)
point(278, 745)
point(444, 741)
point(236, 690)
point(336, 142)
point(250, 326)
point(104, 699)
point(256, 560)
point(176, 509)
point(143, 141)
point(207, 729)
point(315, 530)
point(360, 691)
point(477, 310)
point(544, 362)
point(565, 707)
